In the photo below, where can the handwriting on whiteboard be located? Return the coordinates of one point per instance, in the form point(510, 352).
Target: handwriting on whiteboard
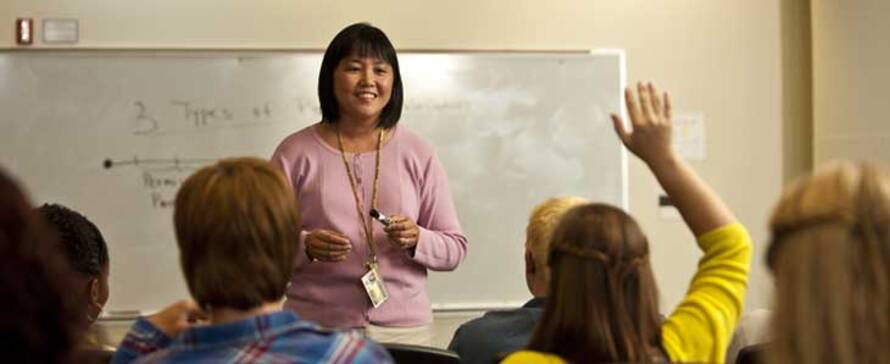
point(161, 177)
point(182, 116)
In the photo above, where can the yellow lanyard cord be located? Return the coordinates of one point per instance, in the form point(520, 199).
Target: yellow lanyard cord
point(366, 222)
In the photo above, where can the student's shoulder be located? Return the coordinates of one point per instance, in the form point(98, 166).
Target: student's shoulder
point(535, 357)
point(168, 355)
point(327, 347)
point(359, 348)
point(307, 337)
point(495, 321)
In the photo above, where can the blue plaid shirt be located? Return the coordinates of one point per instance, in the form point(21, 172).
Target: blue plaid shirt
point(280, 337)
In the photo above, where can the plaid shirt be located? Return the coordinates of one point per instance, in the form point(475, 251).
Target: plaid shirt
point(280, 337)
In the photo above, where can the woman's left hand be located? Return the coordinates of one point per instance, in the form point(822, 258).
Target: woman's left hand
point(402, 231)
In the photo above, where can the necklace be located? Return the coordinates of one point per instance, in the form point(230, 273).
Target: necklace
point(359, 206)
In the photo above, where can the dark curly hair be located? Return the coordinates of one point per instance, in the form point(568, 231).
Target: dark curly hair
point(81, 240)
point(38, 322)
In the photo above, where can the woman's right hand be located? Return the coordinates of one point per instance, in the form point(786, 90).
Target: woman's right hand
point(327, 245)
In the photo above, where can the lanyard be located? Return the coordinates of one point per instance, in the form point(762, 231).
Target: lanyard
point(363, 215)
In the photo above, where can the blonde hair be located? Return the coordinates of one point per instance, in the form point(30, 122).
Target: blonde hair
point(830, 254)
point(543, 220)
point(237, 227)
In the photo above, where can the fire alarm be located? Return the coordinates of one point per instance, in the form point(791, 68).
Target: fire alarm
point(24, 31)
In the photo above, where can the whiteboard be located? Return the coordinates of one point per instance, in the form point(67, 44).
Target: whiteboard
point(511, 129)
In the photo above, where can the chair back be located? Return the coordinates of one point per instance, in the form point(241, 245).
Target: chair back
point(754, 354)
point(405, 353)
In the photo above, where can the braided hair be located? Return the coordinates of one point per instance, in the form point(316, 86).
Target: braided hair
point(81, 240)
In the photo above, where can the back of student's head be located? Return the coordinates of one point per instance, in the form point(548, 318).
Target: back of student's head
point(603, 302)
point(541, 223)
point(82, 241)
point(237, 228)
point(543, 220)
point(87, 254)
point(830, 254)
point(37, 320)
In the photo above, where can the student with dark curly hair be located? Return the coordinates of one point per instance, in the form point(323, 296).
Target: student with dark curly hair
point(87, 253)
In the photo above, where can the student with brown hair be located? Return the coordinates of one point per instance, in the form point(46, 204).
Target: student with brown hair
point(38, 322)
point(830, 255)
point(237, 229)
point(603, 301)
point(490, 337)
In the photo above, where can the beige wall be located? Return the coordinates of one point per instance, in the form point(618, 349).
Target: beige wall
point(728, 59)
point(851, 74)
point(797, 88)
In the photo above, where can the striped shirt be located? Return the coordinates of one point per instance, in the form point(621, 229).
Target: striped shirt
point(280, 337)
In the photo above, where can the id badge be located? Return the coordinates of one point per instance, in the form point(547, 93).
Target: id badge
point(373, 283)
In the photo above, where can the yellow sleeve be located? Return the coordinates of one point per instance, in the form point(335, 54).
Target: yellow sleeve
point(700, 328)
point(532, 357)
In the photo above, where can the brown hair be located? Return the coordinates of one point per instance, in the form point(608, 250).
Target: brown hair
point(830, 254)
point(40, 323)
point(237, 227)
point(603, 302)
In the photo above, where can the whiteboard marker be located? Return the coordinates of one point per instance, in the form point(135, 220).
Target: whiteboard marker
point(380, 217)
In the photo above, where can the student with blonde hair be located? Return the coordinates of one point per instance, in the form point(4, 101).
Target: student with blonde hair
point(602, 306)
point(237, 228)
point(830, 255)
point(497, 333)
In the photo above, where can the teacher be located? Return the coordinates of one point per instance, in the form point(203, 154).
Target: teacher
point(352, 271)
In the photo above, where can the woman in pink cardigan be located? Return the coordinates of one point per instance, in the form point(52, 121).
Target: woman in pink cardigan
point(353, 271)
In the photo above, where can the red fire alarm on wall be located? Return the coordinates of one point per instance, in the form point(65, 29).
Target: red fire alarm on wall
point(24, 31)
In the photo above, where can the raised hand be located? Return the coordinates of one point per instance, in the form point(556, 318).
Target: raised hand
point(650, 139)
point(650, 119)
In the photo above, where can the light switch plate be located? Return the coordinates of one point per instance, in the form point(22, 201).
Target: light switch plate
point(666, 209)
point(64, 31)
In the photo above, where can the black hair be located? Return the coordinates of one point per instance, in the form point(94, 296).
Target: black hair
point(363, 40)
point(81, 240)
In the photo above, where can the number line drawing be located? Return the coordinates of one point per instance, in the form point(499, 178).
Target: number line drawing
point(172, 163)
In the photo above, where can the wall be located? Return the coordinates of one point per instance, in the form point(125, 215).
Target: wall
point(729, 59)
point(797, 88)
point(851, 54)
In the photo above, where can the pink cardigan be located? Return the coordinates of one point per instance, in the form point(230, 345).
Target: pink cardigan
point(413, 184)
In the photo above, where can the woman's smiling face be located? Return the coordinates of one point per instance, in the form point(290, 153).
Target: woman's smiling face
point(362, 86)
